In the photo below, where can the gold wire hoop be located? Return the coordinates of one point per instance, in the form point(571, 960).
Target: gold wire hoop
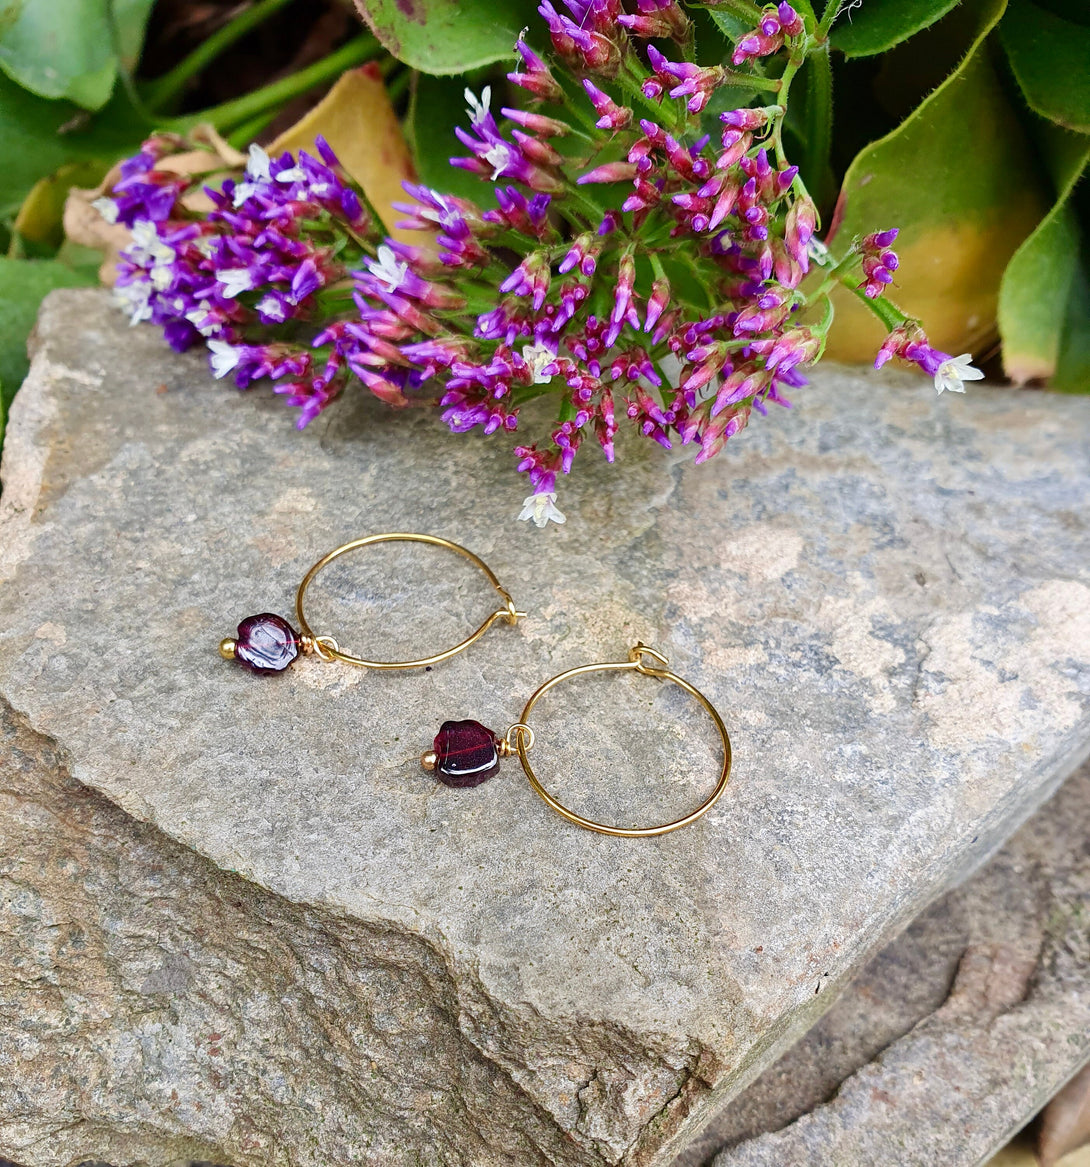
point(330, 650)
point(637, 663)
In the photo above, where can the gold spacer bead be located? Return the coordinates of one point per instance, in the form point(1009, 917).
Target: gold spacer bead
point(428, 760)
point(227, 647)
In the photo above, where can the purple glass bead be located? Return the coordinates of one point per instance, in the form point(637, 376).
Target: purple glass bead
point(266, 643)
point(466, 753)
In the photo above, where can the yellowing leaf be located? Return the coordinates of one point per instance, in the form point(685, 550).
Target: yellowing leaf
point(39, 218)
point(358, 121)
point(959, 179)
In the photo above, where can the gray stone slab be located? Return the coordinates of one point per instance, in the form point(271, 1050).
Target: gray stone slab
point(999, 1020)
point(885, 593)
point(900, 987)
point(94, 907)
point(156, 1010)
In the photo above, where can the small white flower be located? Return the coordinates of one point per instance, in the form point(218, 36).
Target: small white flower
point(292, 174)
point(144, 234)
point(430, 213)
point(243, 192)
point(224, 357)
point(161, 277)
point(202, 319)
point(498, 156)
point(135, 299)
point(540, 508)
point(235, 280)
point(387, 268)
point(950, 374)
point(273, 308)
point(146, 245)
point(257, 165)
point(478, 107)
point(107, 208)
point(538, 357)
point(817, 251)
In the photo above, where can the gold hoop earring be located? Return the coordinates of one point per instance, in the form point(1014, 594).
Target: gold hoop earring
point(465, 753)
point(268, 644)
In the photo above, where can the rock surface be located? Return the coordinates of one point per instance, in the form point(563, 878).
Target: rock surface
point(884, 593)
point(96, 909)
point(953, 1036)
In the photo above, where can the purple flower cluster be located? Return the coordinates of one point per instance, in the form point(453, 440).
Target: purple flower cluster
point(630, 267)
point(246, 274)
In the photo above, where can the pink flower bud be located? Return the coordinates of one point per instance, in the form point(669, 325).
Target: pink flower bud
point(789, 19)
point(611, 116)
point(656, 303)
point(745, 119)
point(609, 172)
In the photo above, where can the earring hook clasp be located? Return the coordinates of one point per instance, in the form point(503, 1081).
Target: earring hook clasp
point(635, 658)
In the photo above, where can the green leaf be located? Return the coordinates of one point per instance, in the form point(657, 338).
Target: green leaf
point(71, 49)
point(23, 283)
point(437, 106)
point(61, 48)
point(38, 137)
point(449, 36)
point(1050, 59)
point(817, 127)
point(960, 179)
point(1073, 363)
point(866, 29)
point(1038, 282)
point(733, 27)
point(130, 18)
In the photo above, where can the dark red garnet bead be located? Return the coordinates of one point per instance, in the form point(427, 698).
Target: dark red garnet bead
point(266, 643)
point(466, 753)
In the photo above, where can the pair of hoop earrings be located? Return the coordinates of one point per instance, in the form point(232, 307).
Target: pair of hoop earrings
point(464, 753)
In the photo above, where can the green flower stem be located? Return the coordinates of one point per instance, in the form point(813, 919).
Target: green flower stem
point(233, 114)
point(819, 124)
point(398, 83)
point(784, 83)
point(163, 90)
point(821, 329)
point(753, 81)
point(837, 274)
point(244, 134)
point(832, 11)
point(890, 315)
